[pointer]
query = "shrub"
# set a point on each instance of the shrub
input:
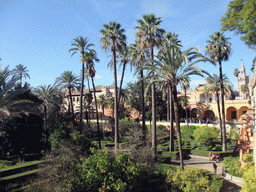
(58, 168)
(192, 179)
(232, 166)
(184, 131)
(61, 133)
(206, 135)
(84, 143)
(101, 173)
(249, 178)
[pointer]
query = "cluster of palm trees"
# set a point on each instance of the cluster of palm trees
(168, 68)
(156, 52)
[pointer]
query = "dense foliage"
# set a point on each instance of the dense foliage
(21, 135)
(249, 177)
(101, 173)
(191, 179)
(205, 136)
(232, 166)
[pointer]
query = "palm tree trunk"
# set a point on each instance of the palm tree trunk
(177, 120)
(116, 102)
(220, 121)
(168, 104)
(81, 101)
(154, 148)
(72, 107)
(171, 148)
(89, 103)
(97, 116)
(186, 111)
(224, 148)
(144, 131)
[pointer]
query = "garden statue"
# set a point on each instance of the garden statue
(245, 141)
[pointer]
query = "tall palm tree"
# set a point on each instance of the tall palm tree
(219, 49)
(174, 67)
(102, 101)
(213, 85)
(89, 57)
(149, 35)
(113, 36)
(68, 80)
(80, 44)
(20, 71)
(138, 57)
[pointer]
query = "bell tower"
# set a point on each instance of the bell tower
(242, 79)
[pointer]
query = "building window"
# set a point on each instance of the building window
(243, 112)
(210, 100)
(77, 99)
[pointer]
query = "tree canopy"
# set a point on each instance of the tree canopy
(240, 18)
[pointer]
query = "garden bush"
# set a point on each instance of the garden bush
(84, 143)
(249, 178)
(101, 173)
(192, 179)
(232, 166)
(205, 136)
(60, 134)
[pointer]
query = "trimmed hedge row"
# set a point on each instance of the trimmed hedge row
(206, 153)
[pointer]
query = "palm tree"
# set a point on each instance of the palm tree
(236, 72)
(7, 83)
(102, 101)
(149, 35)
(51, 97)
(244, 89)
(174, 67)
(89, 57)
(113, 36)
(138, 58)
(20, 71)
(80, 44)
(219, 49)
(68, 80)
(185, 86)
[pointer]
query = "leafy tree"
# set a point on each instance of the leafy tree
(69, 81)
(80, 44)
(113, 36)
(219, 49)
(240, 18)
(149, 35)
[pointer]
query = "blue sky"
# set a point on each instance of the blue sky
(38, 33)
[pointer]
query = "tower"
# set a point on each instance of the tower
(242, 79)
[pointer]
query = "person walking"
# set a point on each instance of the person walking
(215, 167)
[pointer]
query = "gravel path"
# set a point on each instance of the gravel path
(205, 163)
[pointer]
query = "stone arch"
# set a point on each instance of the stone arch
(231, 113)
(242, 110)
(208, 114)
